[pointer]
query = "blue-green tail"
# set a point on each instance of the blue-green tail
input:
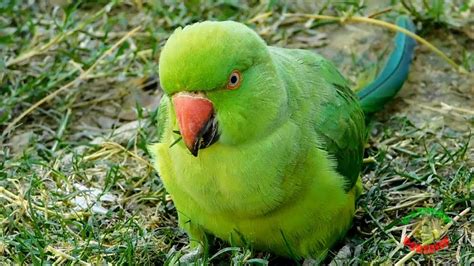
(394, 73)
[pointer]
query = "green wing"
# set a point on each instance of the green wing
(341, 125)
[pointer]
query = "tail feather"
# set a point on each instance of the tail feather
(394, 73)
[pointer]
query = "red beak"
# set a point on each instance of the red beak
(195, 118)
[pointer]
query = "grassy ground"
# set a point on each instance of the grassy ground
(78, 105)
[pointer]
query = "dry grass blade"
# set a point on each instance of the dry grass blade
(389, 26)
(63, 256)
(111, 148)
(82, 76)
(410, 203)
(23, 204)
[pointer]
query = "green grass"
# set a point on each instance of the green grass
(75, 182)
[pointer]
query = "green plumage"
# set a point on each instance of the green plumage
(283, 175)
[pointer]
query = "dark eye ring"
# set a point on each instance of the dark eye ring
(235, 79)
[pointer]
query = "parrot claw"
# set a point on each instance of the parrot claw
(191, 256)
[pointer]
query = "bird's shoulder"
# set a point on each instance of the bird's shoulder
(338, 118)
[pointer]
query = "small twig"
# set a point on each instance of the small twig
(111, 148)
(98, 100)
(444, 230)
(402, 239)
(260, 16)
(400, 245)
(406, 204)
(132, 154)
(380, 12)
(102, 153)
(458, 250)
(455, 219)
(414, 196)
(76, 65)
(458, 109)
(70, 84)
(57, 39)
(109, 51)
(442, 110)
(60, 254)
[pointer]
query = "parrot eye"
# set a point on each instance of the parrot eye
(234, 80)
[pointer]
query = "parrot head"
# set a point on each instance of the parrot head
(222, 83)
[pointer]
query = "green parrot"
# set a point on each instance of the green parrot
(262, 145)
